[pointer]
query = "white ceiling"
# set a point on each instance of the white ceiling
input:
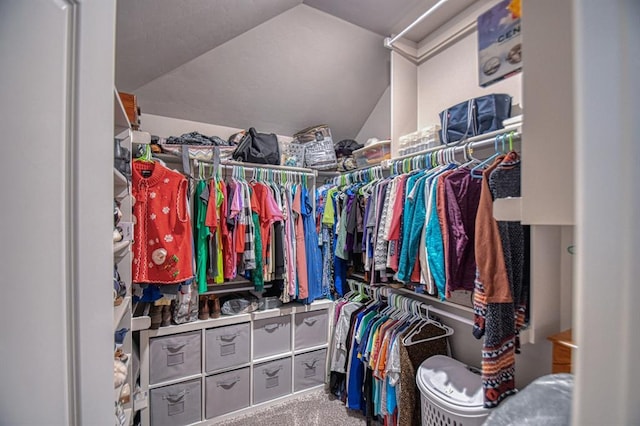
(277, 65)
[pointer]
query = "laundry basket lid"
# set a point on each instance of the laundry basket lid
(450, 381)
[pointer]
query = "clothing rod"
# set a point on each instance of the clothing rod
(252, 166)
(479, 141)
(230, 163)
(389, 42)
(449, 315)
(428, 307)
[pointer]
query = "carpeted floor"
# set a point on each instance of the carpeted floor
(312, 409)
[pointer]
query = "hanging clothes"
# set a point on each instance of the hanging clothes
(501, 292)
(301, 256)
(202, 233)
(162, 244)
(312, 249)
(372, 367)
(462, 192)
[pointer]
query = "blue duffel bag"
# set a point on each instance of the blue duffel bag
(474, 117)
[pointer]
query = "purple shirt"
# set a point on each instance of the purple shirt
(462, 195)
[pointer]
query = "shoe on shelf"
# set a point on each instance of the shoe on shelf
(156, 317)
(166, 316)
(203, 308)
(214, 309)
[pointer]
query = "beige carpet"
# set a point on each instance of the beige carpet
(312, 409)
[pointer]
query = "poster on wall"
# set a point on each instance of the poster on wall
(499, 42)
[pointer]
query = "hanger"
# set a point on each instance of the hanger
(409, 338)
(468, 158)
(146, 156)
(474, 170)
(360, 296)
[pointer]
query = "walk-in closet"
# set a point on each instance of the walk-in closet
(318, 212)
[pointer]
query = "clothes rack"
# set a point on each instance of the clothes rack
(365, 174)
(386, 291)
(476, 142)
(251, 167)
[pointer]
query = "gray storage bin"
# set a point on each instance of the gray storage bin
(311, 328)
(227, 346)
(175, 356)
(271, 336)
(227, 392)
(309, 369)
(176, 405)
(271, 380)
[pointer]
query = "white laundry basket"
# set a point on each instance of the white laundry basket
(451, 394)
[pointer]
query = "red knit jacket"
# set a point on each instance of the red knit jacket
(162, 252)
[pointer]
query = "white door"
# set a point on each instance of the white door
(56, 115)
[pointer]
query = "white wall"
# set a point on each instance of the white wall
(451, 77)
(298, 69)
(378, 125)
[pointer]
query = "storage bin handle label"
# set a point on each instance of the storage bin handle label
(227, 349)
(228, 337)
(272, 380)
(228, 384)
(310, 368)
(270, 328)
(272, 371)
(310, 321)
(176, 397)
(312, 364)
(174, 347)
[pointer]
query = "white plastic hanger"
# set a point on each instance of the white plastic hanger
(409, 339)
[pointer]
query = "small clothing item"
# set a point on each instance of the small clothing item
(301, 256)
(202, 198)
(162, 246)
(411, 356)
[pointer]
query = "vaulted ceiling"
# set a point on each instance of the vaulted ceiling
(277, 65)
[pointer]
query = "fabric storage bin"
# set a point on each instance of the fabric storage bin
(450, 393)
(271, 380)
(227, 346)
(309, 369)
(173, 357)
(227, 392)
(176, 405)
(311, 328)
(271, 336)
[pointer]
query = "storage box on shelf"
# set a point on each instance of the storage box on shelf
(425, 138)
(217, 368)
(373, 154)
